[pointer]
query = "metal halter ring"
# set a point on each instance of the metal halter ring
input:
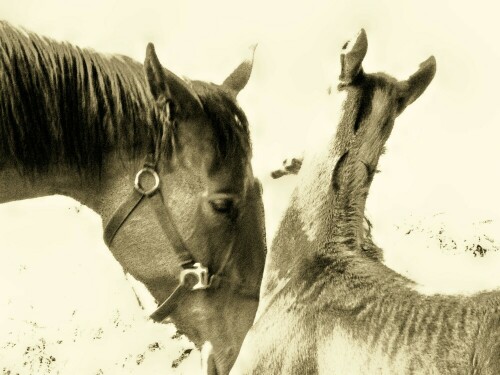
(201, 274)
(137, 182)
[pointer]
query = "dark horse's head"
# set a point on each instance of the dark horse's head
(78, 123)
(218, 204)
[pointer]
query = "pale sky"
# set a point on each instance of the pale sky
(443, 150)
(443, 154)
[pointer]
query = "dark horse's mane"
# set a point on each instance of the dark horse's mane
(66, 106)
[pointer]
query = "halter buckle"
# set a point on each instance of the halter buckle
(201, 274)
(137, 181)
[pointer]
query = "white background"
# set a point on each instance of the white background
(442, 156)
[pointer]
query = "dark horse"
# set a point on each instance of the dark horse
(165, 162)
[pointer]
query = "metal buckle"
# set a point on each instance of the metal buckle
(137, 181)
(201, 274)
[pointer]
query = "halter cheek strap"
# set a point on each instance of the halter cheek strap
(193, 276)
(154, 197)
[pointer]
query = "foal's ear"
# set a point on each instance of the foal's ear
(238, 79)
(165, 84)
(418, 82)
(352, 56)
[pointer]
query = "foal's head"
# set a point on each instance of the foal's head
(371, 104)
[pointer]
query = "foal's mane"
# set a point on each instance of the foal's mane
(65, 106)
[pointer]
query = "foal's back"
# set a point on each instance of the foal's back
(382, 326)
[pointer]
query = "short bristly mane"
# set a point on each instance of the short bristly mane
(65, 106)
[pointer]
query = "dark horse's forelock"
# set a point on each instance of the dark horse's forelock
(66, 106)
(230, 125)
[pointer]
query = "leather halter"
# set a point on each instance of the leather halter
(193, 276)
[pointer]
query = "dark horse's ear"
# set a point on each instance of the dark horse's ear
(238, 79)
(352, 56)
(165, 84)
(414, 86)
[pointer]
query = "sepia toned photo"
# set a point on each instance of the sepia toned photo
(229, 187)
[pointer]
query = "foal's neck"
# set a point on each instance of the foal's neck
(332, 210)
(335, 214)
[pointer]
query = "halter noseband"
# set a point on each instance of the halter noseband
(193, 276)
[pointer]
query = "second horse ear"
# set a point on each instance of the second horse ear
(418, 82)
(238, 79)
(164, 84)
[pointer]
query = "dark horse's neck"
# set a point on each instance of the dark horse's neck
(72, 122)
(65, 108)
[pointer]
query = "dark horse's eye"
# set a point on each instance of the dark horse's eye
(222, 206)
